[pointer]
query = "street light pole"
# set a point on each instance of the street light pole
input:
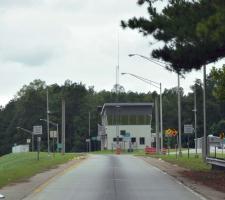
(157, 125)
(162, 64)
(195, 113)
(32, 135)
(48, 123)
(159, 86)
(204, 153)
(161, 117)
(89, 130)
(54, 124)
(179, 115)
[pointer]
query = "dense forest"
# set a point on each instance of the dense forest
(29, 106)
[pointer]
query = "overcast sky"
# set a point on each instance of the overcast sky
(55, 40)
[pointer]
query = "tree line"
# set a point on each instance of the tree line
(29, 106)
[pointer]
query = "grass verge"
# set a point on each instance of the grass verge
(20, 166)
(192, 163)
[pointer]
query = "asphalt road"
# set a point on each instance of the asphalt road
(112, 177)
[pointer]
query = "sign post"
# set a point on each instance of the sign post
(53, 135)
(39, 145)
(37, 130)
(188, 129)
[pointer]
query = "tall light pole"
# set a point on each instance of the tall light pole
(47, 106)
(162, 64)
(54, 124)
(204, 153)
(63, 126)
(89, 130)
(179, 115)
(159, 86)
(195, 114)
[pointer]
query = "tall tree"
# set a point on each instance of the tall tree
(185, 28)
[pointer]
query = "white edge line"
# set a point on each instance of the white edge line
(174, 179)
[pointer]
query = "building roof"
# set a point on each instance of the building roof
(133, 106)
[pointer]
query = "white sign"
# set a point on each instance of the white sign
(37, 130)
(53, 134)
(101, 130)
(88, 140)
(188, 129)
(28, 141)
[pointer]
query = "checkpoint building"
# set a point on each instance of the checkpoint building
(127, 125)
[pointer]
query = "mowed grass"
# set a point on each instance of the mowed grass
(20, 166)
(192, 163)
(218, 155)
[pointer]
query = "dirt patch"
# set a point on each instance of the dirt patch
(213, 179)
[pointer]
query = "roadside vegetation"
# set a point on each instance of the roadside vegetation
(192, 163)
(20, 166)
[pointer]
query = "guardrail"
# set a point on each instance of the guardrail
(216, 161)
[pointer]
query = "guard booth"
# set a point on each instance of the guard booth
(125, 125)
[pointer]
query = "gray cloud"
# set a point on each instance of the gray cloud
(72, 39)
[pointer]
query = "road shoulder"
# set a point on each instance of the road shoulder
(19, 191)
(176, 172)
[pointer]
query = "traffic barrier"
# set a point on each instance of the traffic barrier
(118, 151)
(152, 150)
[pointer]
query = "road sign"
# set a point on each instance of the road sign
(94, 138)
(188, 129)
(28, 141)
(98, 138)
(171, 132)
(53, 134)
(59, 146)
(87, 140)
(37, 130)
(127, 134)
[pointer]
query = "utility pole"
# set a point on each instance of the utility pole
(161, 117)
(89, 130)
(63, 126)
(48, 124)
(157, 125)
(204, 153)
(57, 130)
(179, 114)
(195, 112)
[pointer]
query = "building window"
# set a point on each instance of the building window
(142, 141)
(133, 139)
(122, 132)
(115, 139)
